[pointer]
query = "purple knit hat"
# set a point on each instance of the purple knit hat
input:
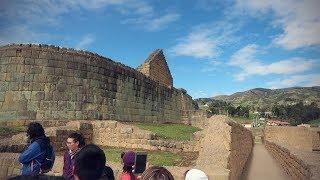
(129, 158)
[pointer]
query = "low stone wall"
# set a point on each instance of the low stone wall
(9, 165)
(302, 138)
(116, 134)
(290, 162)
(225, 144)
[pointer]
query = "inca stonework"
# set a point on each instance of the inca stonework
(44, 82)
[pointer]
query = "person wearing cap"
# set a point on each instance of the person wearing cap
(195, 174)
(128, 163)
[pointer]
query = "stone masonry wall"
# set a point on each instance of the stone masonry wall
(298, 137)
(9, 165)
(116, 134)
(225, 144)
(51, 83)
(290, 162)
(157, 69)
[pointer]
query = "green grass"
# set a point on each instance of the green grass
(314, 122)
(154, 157)
(181, 132)
(7, 131)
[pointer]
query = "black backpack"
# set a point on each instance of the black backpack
(48, 162)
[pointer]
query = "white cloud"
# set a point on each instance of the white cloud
(85, 41)
(296, 80)
(198, 94)
(198, 44)
(205, 41)
(299, 19)
(250, 65)
(34, 15)
(151, 22)
(159, 23)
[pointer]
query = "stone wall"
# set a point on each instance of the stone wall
(225, 144)
(157, 69)
(298, 137)
(51, 83)
(116, 134)
(9, 165)
(197, 118)
(291, 163)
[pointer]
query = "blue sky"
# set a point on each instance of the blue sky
(212, 47)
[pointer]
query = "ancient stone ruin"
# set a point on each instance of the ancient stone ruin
(51, 83)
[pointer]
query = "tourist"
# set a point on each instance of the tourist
(75, 142)
(195, 174)
(38, 157)
(128, 163)
(89, 164)
(156, 173)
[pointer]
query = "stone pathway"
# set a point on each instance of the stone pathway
(263, 166)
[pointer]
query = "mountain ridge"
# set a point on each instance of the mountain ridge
(266, 98)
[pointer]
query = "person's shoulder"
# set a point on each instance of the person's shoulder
(125, 176)
(34, 145)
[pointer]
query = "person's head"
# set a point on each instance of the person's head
(128, 161)
(89, 163)
(75, 140)
(195, 174)
(155, 173)
(35, 130)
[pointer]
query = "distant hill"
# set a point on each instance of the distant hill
(265, 98)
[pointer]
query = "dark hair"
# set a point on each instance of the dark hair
(122, 154)
(127, 169)
(78, 137)
(35, 130)
(156, 173)
(35, 177)
(89, 163)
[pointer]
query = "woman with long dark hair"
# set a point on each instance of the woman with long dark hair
(38, 153)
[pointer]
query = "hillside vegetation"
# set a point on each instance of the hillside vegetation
(260, 98)
(295, 105)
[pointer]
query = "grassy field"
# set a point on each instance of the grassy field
(7, 131)
(180, 132)
(155, 157)
(314, 122)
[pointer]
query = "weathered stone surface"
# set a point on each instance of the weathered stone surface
(298, 137)
(225, 144)
(98, 87)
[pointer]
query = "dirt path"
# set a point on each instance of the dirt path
(263, 166)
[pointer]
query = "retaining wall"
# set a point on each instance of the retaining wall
(116, 134)
(303, 138)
